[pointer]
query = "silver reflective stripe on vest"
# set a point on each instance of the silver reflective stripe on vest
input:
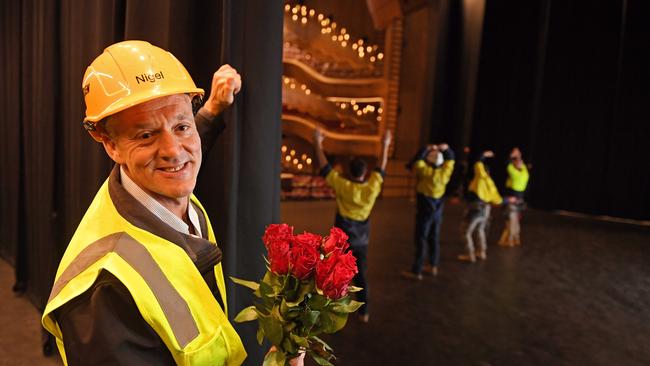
(135, 254)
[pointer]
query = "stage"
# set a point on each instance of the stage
(577, 292)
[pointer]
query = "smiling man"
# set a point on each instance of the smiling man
(141, 281)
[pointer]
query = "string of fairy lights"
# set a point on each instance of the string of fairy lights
(293, 84)
(305, 15)
(360, 109)
(291, 158)
(328, 27)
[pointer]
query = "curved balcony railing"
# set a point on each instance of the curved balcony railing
(341, 143)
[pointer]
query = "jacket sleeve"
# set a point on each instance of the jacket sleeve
(447, 170)
(419, 155)
(375, 181)
(209, 128)
(332, 177)
(103, 326)
(422, 169)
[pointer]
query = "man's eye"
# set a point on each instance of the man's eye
(145, 135)
(183, 128)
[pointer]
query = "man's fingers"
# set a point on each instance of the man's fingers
(226, 95)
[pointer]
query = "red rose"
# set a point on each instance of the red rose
(305, 255)
(277, 232)
(336, 240)
(334, 274)
(309, 239)
(279, 255)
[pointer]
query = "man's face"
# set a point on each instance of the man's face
(158, 146)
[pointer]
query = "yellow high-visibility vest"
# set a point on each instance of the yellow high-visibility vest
(517, 179)
(170, 293)
(483, 185)
(354, 200)
(431, 181)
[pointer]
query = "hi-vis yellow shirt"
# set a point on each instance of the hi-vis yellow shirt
(483, 185)
(168, 290)
(431, 181)
(354, 200)
(517, 179)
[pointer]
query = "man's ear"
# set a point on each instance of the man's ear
(111, 149)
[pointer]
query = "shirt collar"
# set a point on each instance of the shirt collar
(158, 209)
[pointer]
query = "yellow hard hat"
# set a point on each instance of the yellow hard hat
(129, 73)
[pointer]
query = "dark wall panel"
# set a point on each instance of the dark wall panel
(564, 80)
(55, 168)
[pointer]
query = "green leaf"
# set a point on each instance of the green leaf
(322, 343)
(317, 301)
(354, 288)
(288, 346)
(301, 341)
(247, 314)
(310, 318)
(348, 308)
(260, 334)
(275, 312)
(272, 279)
(272, 329)
(332, 322)
(250, 284)
(289, 327)
(320, 351)
(290, 288)
(267, 290)
(263, 309)
(304, 288)
(320, 360)
(274, 358)
(284, 308)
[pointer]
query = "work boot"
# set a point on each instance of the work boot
(411, 276)
(434, 271)
(431, 270)
(503, 241)
(467, 258)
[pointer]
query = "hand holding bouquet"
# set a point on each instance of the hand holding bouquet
(304, 293)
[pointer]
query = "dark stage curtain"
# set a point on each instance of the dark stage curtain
(566, 81)
(52, 169)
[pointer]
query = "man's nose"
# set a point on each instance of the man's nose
(169, 146)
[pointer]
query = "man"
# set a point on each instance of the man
(355, 198)
(433, 166)
(482, 192)
(514, 198)
(141, 281)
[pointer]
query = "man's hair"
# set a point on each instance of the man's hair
(102, 126)
(358, 167)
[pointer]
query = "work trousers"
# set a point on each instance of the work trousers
(477, 219)
(428, 218)
(512, 229)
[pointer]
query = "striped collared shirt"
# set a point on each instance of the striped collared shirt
(158, 209)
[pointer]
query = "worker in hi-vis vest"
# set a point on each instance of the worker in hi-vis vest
(513, 199)
(355, 198)
(482, 193)
(141, 281)
(433, 166)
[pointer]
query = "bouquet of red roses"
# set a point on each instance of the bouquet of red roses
(304, 293)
